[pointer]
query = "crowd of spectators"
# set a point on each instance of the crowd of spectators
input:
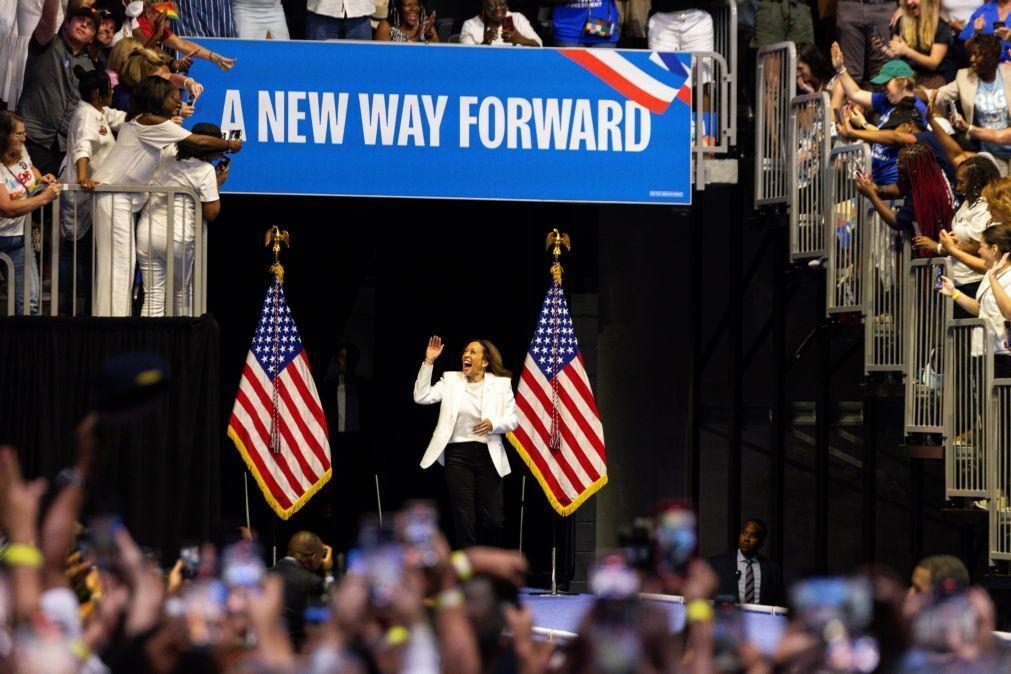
(76, 598)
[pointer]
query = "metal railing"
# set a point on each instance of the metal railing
(725, 34)
(810, 178)
(777, 85)
(887, 253)
(845, 233)
(710, 100)
(8, 264)
(968, 377)
(927, 313)
(76, 254)
(999, 470)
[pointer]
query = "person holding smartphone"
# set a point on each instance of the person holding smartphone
(496, 25)
(476, 409)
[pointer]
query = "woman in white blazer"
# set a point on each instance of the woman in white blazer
(477, 407)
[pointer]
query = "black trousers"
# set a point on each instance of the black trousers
(475, 495)
(45, 159)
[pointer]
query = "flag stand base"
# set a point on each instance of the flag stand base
(554, 578)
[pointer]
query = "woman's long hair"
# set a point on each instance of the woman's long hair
(494, 358)
(921, 177)
(979, 172)
(7, 121)
(998, 235)
(817, 62)
(998, 196)
(918, 32)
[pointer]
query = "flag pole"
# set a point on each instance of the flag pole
(273, 239)
(523, 504)
(379, 502)
(245, 488)
(555, 241)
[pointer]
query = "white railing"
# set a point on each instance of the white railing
(170, 235)
(927, 314)
(968, 377)
(725, 34)
(776, 77)
(846, 230)
(711, 110)
(887, 254)
(999, 470)
(808, 160)
(8, 265)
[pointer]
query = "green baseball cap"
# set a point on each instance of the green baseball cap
(891, 70)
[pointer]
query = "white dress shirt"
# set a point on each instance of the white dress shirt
(742, 567)
(341, 9)
(470, 415)
(472, 31)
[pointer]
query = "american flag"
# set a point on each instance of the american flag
(277, 422)
(559, 436)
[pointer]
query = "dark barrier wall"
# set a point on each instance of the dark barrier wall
(162, 472)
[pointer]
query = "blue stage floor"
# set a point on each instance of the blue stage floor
(565, 613)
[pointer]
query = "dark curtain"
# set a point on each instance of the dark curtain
(161, 472)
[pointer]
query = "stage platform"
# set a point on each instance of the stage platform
(557, 618)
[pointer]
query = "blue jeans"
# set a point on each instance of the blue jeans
(14, 247)
(321, 27)
(595, 45)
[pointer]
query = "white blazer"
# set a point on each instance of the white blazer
(497, 405)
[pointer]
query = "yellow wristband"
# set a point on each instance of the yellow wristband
(80, 650)
(396, 635)
(464, 569)
(19, 554)
(954, 295)
(699, 610)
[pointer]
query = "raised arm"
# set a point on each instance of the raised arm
(849, 85)
(45, 29)
(424, 392)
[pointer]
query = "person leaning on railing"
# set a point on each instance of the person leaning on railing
(133, 161)
(192, 168)
(897, 77)
(992, 301)
(22, 190)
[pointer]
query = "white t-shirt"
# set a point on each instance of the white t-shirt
(196, 174)
(470, 415)
(472, 31)
(990, 312)
(968, 225)
(134, 158)
(19, 179)
(90, 135)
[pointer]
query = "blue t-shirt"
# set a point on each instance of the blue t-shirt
(570, 20)
(884, 158)
(991, 112)
(989, 13)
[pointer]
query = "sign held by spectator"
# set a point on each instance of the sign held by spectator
(358, 119)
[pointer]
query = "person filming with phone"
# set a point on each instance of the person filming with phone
(477, 408)
(496, 25)
(303, 583)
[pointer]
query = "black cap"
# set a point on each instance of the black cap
(904, 111)
(86, 12)
(126, 383)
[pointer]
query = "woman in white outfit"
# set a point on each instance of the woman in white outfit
(259, 19)
(133, 161)
(477, 408)
(188, 168)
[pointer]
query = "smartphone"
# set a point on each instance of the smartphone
(417, 525)
(508, 24)
(191, 560)
(937, 278)
(674, 539)
(235, 134)
(872, 31)
(242, 566)
(819, 601)
(102, 540)
(222, 164)
(613, 578)
(998, 24)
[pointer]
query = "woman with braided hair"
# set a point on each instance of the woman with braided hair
(929, 203)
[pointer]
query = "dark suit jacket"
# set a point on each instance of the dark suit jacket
(300, 587)
(772, 592)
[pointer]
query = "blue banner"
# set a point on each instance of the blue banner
(455, 122)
